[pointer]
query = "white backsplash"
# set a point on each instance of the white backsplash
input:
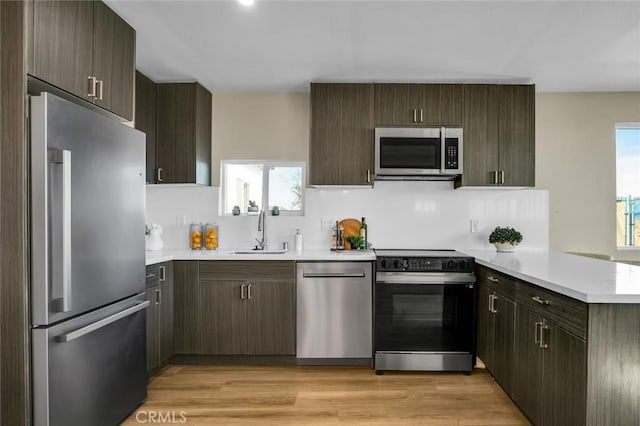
(399, 214)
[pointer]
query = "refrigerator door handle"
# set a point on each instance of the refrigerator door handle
(64, 157)
(101, 323)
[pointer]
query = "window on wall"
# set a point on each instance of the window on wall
(263, 184)
(628, 185)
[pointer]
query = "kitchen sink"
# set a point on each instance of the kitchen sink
(258, 252)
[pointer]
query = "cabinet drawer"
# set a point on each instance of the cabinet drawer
(247, 270)
(153, 275)
(565, 312)
(497, 281)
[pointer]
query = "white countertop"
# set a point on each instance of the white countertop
(586, 279)
(582, 278)
(154, 257)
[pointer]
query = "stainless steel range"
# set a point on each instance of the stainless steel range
(424, 317)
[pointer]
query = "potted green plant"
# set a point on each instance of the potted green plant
(356, 241)
(275, 211)
(505, 239)
(236, 210)
(253, 207)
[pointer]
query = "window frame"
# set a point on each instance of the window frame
(266, 167)
(622, 126)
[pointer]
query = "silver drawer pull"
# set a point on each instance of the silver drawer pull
(332, 275)
(150, 276)
(102, 323)
(540, 301)
(493, 279)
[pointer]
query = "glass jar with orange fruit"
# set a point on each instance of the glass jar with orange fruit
(195, 236)
(211, 236)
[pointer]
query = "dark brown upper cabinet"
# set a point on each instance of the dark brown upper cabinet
(341, 136)
(85, 49)
(418, 105)
(147, 119)
(499, 135)
(183, 134)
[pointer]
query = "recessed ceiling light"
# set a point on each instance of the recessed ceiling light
(246, 2)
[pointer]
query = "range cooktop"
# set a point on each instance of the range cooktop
(416, 260)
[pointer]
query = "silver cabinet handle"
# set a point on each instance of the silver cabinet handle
(495, 298)
(158, 297)
(159, 175)
(92, 87)
(543, 344)
(501, 173)
(249, 292)
(536, 337)
(163, 273)
(149, 276)
(102, 323)
(64, 157)
(491, 303)
(332, 275)
(540, 301)
(415, 116)
(492, 279)
(495, 177)
(421, 115)
(368, 175)
(242, 287)
(99, 85)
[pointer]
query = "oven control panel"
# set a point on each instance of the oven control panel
(424, 264)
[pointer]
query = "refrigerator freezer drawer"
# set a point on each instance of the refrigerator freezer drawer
(91, 370)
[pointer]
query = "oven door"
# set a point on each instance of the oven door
(424, 312)
(408, 151)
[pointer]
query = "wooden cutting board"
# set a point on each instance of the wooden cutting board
(351, 227)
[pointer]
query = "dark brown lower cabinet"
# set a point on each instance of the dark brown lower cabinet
(550, 383)
(247, 317)
(496, 335)
(159, 315)
(186, 334)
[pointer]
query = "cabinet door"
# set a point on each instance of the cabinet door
(146, 119)
(517, 135)
(564, 378)
(430, 105)
(176, 132)
(397, 104)
(271, 313)
(62, 43)
(223, 317)
(485, 327)
(153, 328)
(527, 384)
(451, 104)
(114, 46)
(166, 312)
(341, 139)
(481, 117)
(504, 341)
(186, 328)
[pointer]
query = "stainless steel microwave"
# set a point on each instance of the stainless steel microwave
(410, 153)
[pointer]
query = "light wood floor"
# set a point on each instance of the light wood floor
(232, 395)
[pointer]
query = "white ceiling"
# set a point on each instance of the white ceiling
(283, 45)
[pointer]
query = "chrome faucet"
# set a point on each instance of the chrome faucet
(262, 227)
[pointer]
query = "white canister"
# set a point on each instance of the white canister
(154, 241)
(297, 242)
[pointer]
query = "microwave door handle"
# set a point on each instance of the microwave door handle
(443, 138)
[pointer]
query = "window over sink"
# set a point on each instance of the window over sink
(254, 185)
(628, 185)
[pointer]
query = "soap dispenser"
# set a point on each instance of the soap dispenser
(298, 241)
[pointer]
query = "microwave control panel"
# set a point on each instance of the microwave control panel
(451, 154)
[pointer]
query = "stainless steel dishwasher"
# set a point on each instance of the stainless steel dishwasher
(334, 319)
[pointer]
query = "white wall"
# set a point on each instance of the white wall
(575, 161)
(399, 214)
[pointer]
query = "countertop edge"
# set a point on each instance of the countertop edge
(310, 255)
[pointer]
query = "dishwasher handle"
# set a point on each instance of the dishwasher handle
(333, 275)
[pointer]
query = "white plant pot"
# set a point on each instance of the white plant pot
(505, 247)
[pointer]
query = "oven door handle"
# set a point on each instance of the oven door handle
(424, 279)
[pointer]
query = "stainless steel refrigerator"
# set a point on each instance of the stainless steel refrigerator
(87, 293)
